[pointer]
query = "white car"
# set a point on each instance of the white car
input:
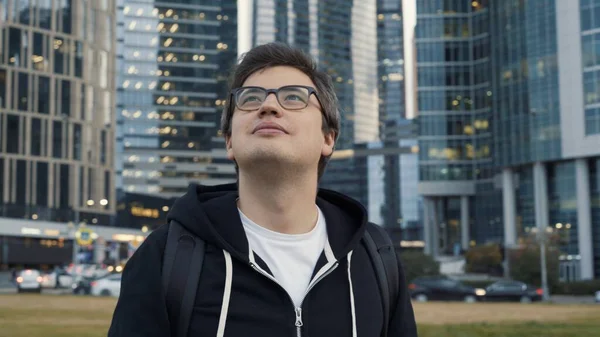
(29, 280)
(109, 285)
(57, 280)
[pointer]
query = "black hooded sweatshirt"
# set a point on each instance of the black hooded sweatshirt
(237, 294)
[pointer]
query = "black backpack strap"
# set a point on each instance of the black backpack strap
(384, 259)
(182, 265)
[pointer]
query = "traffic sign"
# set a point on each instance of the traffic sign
(84, 236)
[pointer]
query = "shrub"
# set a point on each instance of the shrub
(484, 259)
(525, 265)
(584, 288)
(418, 264)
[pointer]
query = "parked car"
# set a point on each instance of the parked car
(58, 278)
(514, 291)
(109, 285)
(598, 296)
(441, 288)
(29, 280)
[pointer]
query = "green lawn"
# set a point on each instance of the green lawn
(54, 316)
(71, 316)
(533, 329)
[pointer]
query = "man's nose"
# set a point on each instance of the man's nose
(270, 105)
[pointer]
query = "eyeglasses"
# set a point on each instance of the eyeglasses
(290, 97)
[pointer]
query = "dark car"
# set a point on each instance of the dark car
(512, 291)
(440, 288)
(83, 285)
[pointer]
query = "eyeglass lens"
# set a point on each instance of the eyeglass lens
(290, 97)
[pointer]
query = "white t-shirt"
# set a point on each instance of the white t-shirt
(290, 257)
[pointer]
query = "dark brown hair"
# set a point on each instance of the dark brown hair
(280, 54)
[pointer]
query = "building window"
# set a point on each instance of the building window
(13, 127)
(57, 139)
(36, 137)
(42, 184)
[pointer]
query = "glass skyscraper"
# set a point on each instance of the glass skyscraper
(57, 110)
(523, 148)
(454, 104)
(174, 60)
(400, 168)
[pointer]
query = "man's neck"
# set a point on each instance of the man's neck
(282, 205)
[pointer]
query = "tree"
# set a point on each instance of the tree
(418, 264)
(525, 264)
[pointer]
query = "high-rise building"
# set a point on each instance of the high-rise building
(454, 104)
(174, 61)
(547, 134)
(57, 110)
(509, 135)
(342, 38)
(398, 132)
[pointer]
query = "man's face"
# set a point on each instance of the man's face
(273, 135)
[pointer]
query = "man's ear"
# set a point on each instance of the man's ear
(328, 144)
(229, 148)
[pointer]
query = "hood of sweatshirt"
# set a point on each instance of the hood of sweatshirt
(211, 212)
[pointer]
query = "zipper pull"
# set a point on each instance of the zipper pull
(299, 317)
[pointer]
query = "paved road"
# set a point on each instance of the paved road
(13, 290)
(10, 289)
(562, 299)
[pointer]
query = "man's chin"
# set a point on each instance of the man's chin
(265, 158)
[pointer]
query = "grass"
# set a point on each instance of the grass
(54, 316)
(507, 320)
(70, 316)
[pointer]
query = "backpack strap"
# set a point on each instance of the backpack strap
(385, 262)
(182, 266)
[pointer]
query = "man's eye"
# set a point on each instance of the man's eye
(250, 99)
(294, 97)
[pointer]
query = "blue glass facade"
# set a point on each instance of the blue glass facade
(454, 95)
(487, 214)
(400, 172)
(174, 59)
(562, 202)
(526, 99)
(595, 201)
(590, 40)
(532, 150)
(390, 54)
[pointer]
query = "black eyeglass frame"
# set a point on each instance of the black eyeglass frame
(310, 89)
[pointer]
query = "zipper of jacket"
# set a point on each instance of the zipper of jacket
(297, 310)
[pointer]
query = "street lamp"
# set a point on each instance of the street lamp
(103, 202)
(542, 237)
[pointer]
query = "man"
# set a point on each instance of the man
(282, 257)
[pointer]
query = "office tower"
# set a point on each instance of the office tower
(522, 150)
(342, 37)
(547, 126)
(454, 103)
(174, 62)
(57, 110)
(398, 131)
